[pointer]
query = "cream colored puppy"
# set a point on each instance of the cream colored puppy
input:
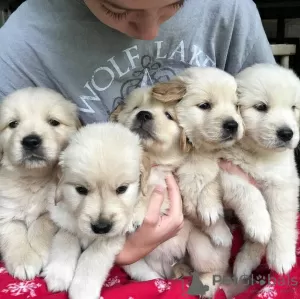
(269, 100)
(206, 108)
(35, 125)
(156, 124)
(96, 199)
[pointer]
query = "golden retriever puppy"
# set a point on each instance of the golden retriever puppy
(35, 125)
(206, 109)
(269, 101)
(97, 194)
(156, 124)
(161, 136)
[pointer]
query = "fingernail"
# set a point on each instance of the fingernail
(159, 189)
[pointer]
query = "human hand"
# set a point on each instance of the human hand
(236, 170)
(156, 228)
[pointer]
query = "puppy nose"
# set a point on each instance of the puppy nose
(102, 226)
(230, 125)
(285, 134)
(31, 142)
(144, 116)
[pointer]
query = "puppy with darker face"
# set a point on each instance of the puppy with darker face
(156, 124)
(155, 121)
(35, 125)
(98, 192)
(269, 100)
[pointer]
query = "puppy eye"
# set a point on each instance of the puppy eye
(294, 108)
(53, 122)
(121, 189)
(13, 124)
(237, 107)
(82, 190)
(205, 106)
(168, 115)
(262, 107)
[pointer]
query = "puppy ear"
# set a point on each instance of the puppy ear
(145, 169)
(114, 115)
(185, 144)
(169, 91)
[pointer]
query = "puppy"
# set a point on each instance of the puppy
(156, 123)
(269, 101)
(206, 109)
(97, 194)
(35, 125)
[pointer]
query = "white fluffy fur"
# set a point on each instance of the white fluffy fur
(100, 158)
(198, 177)
(205, 101)
(161, 140)
(28, 178)
(270, 161)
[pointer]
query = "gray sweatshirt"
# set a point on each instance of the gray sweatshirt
(61, 45)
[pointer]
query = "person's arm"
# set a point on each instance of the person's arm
(248, 41)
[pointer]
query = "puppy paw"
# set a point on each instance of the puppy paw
(242, 268)
(210, 214)
(280, 260)
(260, 229)
(223, 239)
(133, 226)
(181, 270)
(81, 289)
(219, 233)
(137, 218)
(25, 266)
(58, 278)
(40, 236)
(208, 287)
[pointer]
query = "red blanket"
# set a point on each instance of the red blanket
(265, 284)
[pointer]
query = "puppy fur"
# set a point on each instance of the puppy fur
(269, 101)
(206, 108)
(35, 125)
(96, 199)
(156, 123)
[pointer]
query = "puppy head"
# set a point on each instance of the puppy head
(35, 125)
(269, 99)
(208, 109)
(100, 180)
(153, 120)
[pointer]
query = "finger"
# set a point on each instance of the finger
(231, 168)
(225, 165)
(180, 227)
(236, 170)
(174, 196)
(153, 212)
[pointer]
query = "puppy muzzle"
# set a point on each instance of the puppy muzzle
(285, 138)
(102, 226)
(143, 125)
(32, 148)
(229, 129)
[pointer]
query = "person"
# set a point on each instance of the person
(95, 52)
